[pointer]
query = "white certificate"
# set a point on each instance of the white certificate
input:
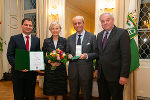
(78, 50)
(36, 60)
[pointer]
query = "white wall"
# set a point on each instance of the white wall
(142, 79)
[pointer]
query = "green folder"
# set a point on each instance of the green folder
(29, 60)
(22, 60)
(75, 57)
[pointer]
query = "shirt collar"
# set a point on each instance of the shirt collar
(83, 32)
(109, 31)
(24, 35)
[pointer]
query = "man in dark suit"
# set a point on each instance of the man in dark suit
(23, 80)
(112, 69)
(80, 72)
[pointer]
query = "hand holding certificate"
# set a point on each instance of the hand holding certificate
(78, 53)
(29, 60)
(36, 61)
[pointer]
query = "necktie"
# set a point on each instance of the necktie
(27, 42)
(104, 40)
(79, 40)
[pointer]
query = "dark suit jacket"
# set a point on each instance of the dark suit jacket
(114, 59)
(48, 46)
(89, 46)
(17, 42)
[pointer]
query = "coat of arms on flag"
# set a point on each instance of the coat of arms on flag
(131, 24)
(132, 30)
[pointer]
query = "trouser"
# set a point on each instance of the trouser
(24, 89)
(109, 90)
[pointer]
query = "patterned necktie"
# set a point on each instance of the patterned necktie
(104, 40)
(27, 42)
(79, 40)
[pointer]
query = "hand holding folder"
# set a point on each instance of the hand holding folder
(74, 58)
(29, 60)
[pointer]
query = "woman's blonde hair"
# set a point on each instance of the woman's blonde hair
(54, 23)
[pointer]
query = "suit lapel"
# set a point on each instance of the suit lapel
(32, 42)
(101, 39)
(22, 42)
(57, 43)
(74, 43)
(109, 40)
(85, 40)
(52, 42)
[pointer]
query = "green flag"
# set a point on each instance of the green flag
(132, 30)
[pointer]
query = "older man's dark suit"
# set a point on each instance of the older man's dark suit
(22, 81)
(80, 72)
(114, 60)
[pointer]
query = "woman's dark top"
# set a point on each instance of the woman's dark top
(55, 81)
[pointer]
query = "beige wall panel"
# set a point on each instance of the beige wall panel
(72, 11)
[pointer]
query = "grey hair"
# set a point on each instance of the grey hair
(78, 17)
(54, 23)
(107, 13)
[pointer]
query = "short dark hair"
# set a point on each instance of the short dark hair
(28, 19)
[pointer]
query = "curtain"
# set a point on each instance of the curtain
(121, 12)
(42, 20)
(42, 26)
(60, 5)
(1, 14)
(9, 26)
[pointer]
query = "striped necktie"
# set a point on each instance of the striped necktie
(104, 40)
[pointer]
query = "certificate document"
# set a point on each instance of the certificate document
(29, 60)
(78, 50)
(36, 60)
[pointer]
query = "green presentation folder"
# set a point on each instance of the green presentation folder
(75, 57)
(22, 60)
